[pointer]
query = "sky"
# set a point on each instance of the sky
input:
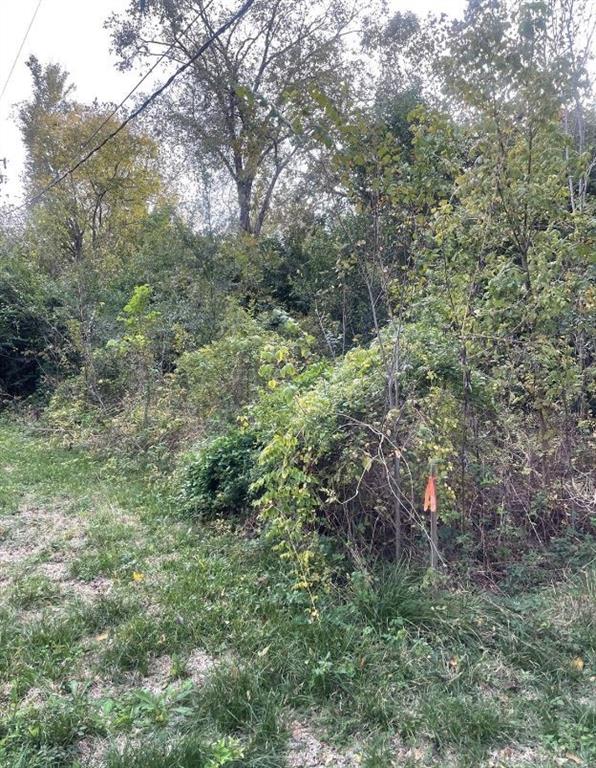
(71, 32)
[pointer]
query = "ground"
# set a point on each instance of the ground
(130, 636)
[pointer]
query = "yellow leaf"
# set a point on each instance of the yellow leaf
(577, 664)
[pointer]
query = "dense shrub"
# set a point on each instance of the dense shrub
(217, 481)
(328, 462)
(31, 330)
(329, 446)
(219, 378)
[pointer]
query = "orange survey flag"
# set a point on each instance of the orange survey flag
(430, 495)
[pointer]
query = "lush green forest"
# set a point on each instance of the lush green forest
(297, 381)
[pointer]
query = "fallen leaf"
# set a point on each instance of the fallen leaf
(577, 664)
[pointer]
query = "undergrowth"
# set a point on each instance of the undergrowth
(397, 666)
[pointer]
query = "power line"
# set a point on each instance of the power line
(22, 45)
(201, 50)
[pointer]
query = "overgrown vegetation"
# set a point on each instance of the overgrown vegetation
(243, 409)
(149, 643)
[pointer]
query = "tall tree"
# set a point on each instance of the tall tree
(83, 231)
(239, 106)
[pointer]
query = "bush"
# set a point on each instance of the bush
(31, 327)
(217, 481)
(221, 377)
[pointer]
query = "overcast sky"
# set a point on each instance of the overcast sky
(71, 32)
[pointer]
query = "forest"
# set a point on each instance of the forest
(297, 394)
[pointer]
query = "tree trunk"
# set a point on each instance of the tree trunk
(244, 188)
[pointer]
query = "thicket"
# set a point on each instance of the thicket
(418, 298)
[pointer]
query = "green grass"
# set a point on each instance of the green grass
(33, 591)
(403, 672)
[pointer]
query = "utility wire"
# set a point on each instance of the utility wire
(22, 45)
(60, 178)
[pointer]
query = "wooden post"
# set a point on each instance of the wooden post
(397, 508)
(434, 538)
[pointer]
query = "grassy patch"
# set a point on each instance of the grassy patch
(403, 672)
(33, 591)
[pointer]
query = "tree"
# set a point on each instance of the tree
(138, 345)
(241, 105)
(508, 273)
(83, 231)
